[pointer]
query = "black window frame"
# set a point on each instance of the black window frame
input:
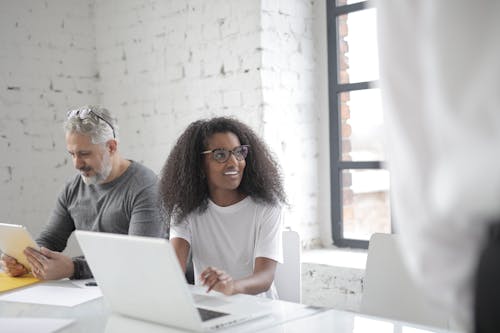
(334, 89)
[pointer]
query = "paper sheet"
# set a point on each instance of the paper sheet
(39, 325)
(53, 295)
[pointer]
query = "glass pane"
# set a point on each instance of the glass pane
(358, 47)
(366, 207)
(362, 125)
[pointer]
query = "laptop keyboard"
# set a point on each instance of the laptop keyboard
(209, 314)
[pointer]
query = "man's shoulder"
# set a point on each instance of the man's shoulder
(139, 167)
(141, 174)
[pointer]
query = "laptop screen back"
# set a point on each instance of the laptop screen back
(140, 277)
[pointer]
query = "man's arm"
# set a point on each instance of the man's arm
(49, 263)
(59, 227)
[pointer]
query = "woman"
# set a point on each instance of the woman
(222, 190)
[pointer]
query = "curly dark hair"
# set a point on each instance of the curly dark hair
(183, 186)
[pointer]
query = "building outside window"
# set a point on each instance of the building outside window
(360, 184)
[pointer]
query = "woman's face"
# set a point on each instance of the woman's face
(223, 176)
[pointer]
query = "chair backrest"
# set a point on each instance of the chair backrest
(389, 290)
(288, 279)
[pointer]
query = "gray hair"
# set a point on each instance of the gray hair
(94, 121)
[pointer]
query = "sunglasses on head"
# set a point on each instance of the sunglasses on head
(88, 114)
(221, 155)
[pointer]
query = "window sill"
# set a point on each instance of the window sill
(346, 258)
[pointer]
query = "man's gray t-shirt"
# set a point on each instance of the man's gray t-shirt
(127, 205)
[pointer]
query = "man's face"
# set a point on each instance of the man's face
(92, 160)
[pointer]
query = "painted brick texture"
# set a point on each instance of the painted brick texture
(165, 64)
(47, 65)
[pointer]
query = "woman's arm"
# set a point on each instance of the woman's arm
(259, 282)
(181, 247)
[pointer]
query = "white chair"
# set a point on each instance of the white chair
(389, 290)
(288, 279)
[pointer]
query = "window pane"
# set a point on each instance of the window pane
(366, 207)
(362, 125)
(357, 49)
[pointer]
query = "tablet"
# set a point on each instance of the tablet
(14, 239)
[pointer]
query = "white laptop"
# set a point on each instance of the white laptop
(140, 277)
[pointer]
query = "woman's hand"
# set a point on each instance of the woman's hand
(260, 280)
(218, 280)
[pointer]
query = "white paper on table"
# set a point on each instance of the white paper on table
(53, 295)
(39, 325)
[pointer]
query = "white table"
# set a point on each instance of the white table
(95, 316)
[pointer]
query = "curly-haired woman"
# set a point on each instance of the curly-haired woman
(222, 193)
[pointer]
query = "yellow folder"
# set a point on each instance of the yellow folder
(8, 283)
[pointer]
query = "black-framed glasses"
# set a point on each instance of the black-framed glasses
(221, 155)
(86, 114)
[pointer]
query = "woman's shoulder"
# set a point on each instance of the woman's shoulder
(264, 205)
(266, 210)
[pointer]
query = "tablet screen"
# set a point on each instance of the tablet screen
(14, 239)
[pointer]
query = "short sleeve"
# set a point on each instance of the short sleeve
(269, 242)
(181, 230)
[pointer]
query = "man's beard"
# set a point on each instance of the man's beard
(102, 175)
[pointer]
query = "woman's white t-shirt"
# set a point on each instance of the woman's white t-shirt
(230, 238)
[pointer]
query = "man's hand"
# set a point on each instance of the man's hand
(11, 266)
(49, 265)
(218, 280)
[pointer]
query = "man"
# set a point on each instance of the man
(110, 194)
(440, 80)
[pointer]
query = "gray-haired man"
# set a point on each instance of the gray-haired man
(110, 194)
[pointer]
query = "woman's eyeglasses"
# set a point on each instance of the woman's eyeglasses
(221, 155)
(86, 114)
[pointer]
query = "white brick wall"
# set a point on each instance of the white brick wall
(336, 287)
(47, 65)
(179, 61)
(291, 107)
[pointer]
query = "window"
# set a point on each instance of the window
(360, 184)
